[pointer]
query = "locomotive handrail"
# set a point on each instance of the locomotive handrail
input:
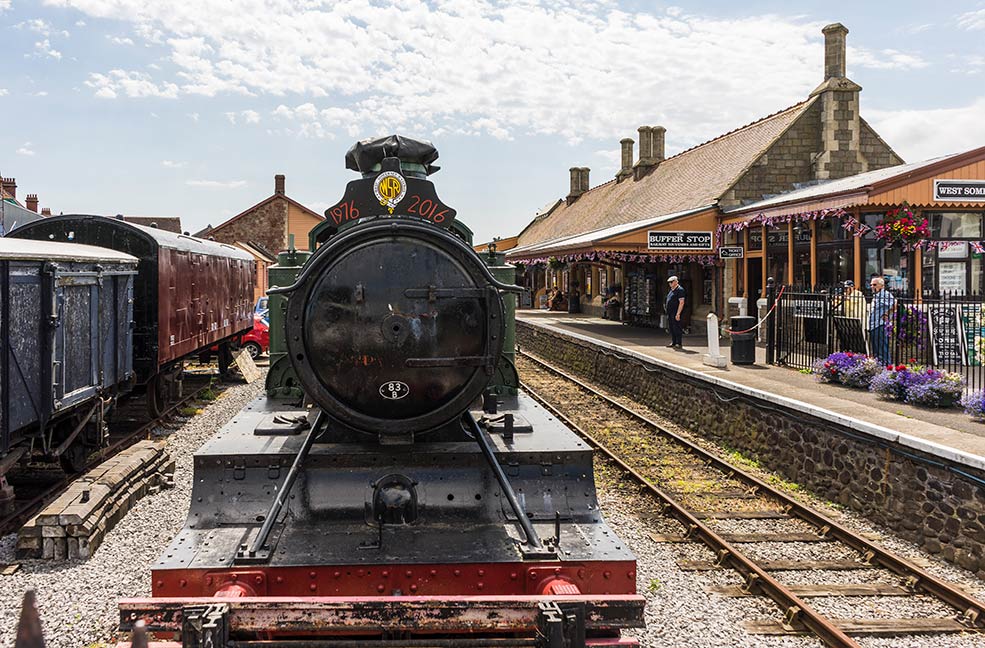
(483, 268)
(533, 540)
(285, 489)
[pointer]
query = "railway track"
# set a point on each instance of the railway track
(704, 493)
(37, 486)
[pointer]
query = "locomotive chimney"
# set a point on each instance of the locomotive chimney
(31, 202)
(626, 169)
(10, 186)
(279, 184)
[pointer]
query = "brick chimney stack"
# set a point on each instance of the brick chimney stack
(651, 150)
(46, 211)
(574, 184)
(584, 171)
(657, 137)
(626, 169)
(841, 127)
(31, 202)
(279, 184)
(10, 186)
(834, 50)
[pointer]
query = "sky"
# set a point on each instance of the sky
(189, 108)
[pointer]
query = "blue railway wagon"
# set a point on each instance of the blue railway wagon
(66, 324)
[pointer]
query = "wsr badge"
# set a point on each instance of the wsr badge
(390, 188)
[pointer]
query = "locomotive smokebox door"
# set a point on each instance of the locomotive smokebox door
(394, 328)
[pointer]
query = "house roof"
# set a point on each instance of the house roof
(855, 189)
(262, 203)
(13, 215)
(694, 178)
(166, 223)
(257, 250)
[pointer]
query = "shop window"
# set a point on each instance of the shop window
(872, 219)
(834, 264)
(956, 225)
(707, 283)
(755, 238)
(830, 230)
(928, 275)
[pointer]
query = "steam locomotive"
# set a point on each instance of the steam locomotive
(394, 486)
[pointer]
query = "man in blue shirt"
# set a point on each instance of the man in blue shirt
(880, 311)
(674, 307)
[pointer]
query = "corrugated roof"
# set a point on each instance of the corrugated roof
(841, 185)
(693, 178)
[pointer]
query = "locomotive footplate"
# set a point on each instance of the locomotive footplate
(541, 621)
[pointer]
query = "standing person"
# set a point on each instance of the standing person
(880, 311)
(674, 307)
(852, 301)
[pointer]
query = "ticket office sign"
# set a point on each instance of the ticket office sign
(679, 241)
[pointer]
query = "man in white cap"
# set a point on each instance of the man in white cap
(674, 307)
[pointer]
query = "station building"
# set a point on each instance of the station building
(661, 214)
(823, 235)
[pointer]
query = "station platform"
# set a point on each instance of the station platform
(950, 434)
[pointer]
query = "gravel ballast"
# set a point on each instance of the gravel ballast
(78, 599)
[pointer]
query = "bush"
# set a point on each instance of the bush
(974, 405)
(847, 368)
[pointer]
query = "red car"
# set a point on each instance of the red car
(257, 340)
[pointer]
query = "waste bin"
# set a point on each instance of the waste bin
(743, 344)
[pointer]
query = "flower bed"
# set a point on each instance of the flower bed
(919, 386)
(847, 368)
(914, 384)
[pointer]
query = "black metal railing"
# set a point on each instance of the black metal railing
(942, 330)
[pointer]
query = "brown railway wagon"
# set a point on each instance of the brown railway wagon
(189, 294)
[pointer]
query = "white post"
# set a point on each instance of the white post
(714, 356)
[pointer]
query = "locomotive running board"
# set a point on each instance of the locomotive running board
(543, 618)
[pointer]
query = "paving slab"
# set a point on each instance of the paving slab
(950, 433)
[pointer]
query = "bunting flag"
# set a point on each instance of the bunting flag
(978, 247)
(626, 257)
(772, 221)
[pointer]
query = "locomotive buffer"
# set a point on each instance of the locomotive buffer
(413, 492)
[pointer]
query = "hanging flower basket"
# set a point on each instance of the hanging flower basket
(901, 225)
(557, 264)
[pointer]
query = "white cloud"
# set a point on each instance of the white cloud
(3, 92)
(544, 67)
(216, 184)
(972, 19)
(231, 116)
(131, 83)
(886, 59)
(922, 134)
(44, 48)
(193, 117)
(80, 23)
(117, 40)
(171, 164)
(26, 149)
(4, 5)
(42, 27)
(251, 116)
(41, 93)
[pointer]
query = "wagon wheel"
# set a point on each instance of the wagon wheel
(158, 395)
(73, 460)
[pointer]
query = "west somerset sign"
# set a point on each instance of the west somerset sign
(965, 190)
(679, 240)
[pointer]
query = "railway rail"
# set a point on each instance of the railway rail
(699, 490)
(130, 423)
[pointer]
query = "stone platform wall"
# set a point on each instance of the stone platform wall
(917, 495)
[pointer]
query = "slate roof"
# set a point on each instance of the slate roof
(693, 178)
(12, 215)
(849, 184)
